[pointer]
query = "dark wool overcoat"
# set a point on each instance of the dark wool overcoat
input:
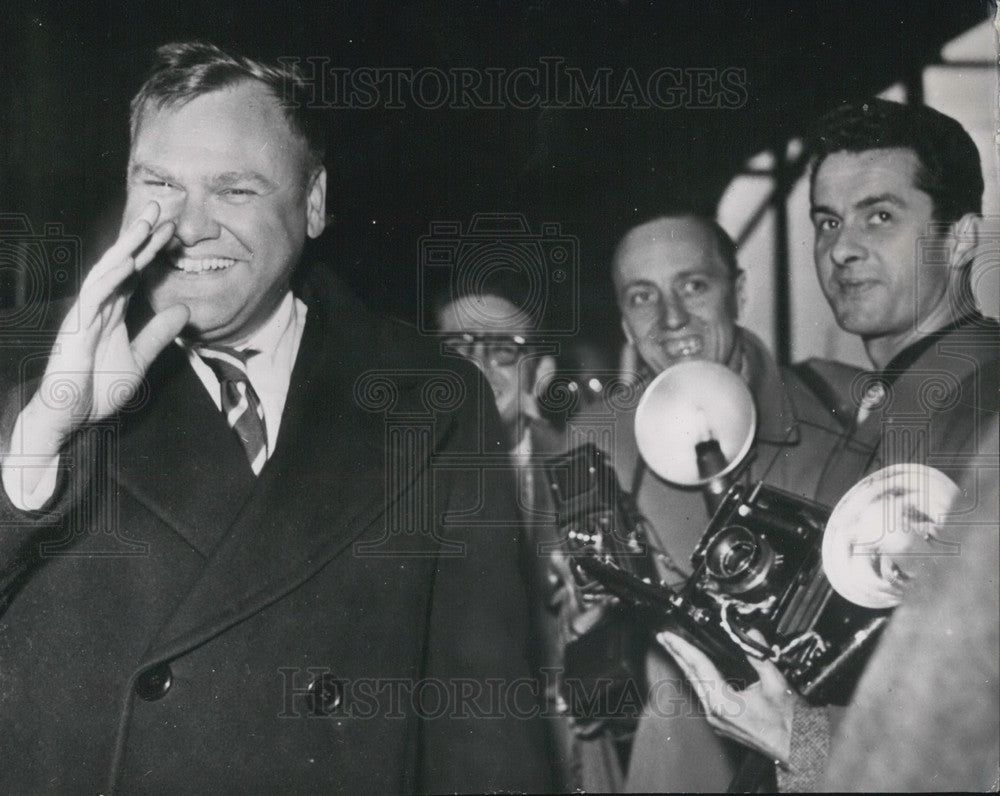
(351, 620)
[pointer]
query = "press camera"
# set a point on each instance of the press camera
(758, 567)
(760, 570)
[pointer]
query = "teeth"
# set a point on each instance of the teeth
(685, 347)
(192, 265)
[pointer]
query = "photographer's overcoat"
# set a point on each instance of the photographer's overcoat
(180, 626)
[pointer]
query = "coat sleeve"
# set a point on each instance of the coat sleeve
(27, 537)
(491, 737)
(21, 532)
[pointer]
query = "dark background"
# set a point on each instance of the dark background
(67, 71)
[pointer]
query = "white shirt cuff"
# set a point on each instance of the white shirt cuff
(29, 480)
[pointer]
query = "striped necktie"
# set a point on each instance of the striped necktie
(240, 403)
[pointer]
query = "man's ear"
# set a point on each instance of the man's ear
(316, 203)
(740, 289)
(965, 234)
(628, 334)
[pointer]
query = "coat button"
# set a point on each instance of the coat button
(327, 694)
(154, 683)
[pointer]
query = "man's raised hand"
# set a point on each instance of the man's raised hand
(95, 369)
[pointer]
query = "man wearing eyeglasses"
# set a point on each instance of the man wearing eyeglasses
(491, 330)
(493, 333)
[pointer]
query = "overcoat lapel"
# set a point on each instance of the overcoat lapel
(179, 458)
(323, 486)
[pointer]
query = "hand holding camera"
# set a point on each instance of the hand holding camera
(758, 716)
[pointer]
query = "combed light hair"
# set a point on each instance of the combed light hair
(182, 71)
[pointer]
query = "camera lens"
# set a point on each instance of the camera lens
(739, 559)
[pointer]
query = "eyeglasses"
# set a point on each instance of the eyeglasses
(493, 349)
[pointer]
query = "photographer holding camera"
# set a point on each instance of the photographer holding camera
(679, 291)
(895, 201)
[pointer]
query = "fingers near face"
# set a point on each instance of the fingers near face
(135, 233)
(157, 241)
(149, 214)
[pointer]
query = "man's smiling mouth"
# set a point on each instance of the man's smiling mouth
(683, 346)
(198, 265)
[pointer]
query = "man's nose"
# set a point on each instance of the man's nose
(476, 353)
(483, 357)
(848, 247)
(194, 222)
(673, 313)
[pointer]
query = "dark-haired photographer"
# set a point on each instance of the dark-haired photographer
(895, 201)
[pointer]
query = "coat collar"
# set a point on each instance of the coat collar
(951, 355)
(959, 348)
(970, 323)
(776, 421)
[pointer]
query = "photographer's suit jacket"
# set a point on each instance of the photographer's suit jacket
(175, 656)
